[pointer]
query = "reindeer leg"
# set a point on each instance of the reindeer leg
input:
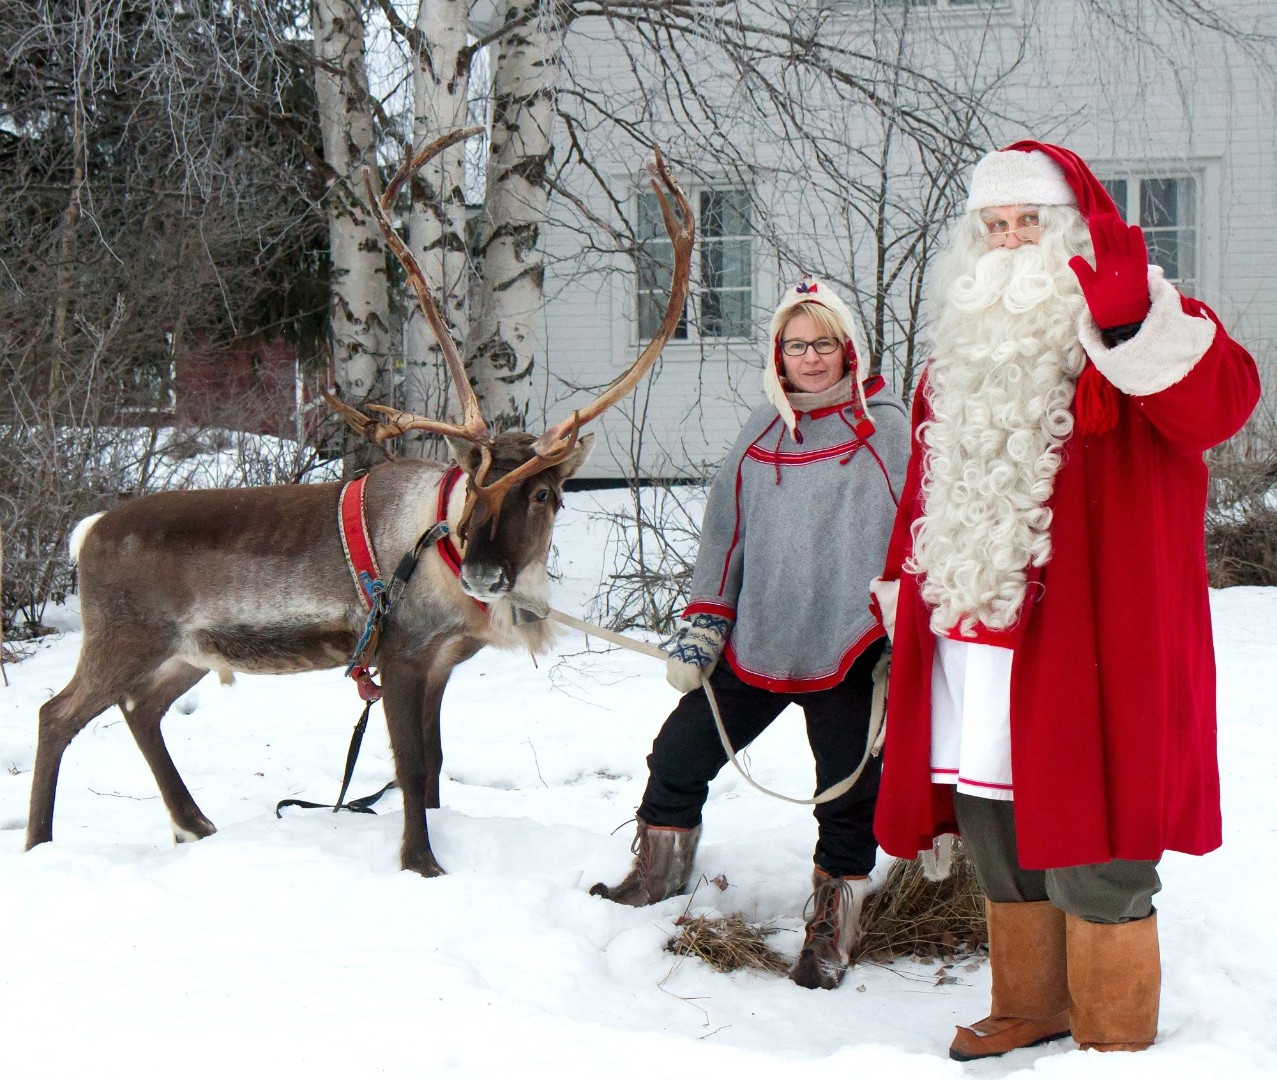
(144, 714)
(405, 696)
(433, 744)
(62, 718)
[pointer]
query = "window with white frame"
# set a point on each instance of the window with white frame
(721, 300)
(1165, 207)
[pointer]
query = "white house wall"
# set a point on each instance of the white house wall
(1083, 87)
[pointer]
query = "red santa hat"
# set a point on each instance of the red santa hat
(815, 291)
(1036, 172)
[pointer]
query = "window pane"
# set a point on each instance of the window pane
(651, 310)
(654, 263)
(1187, 255)
(1163, 251)
(734, 308)
(725, 264)
(1160, 202)
(655, 266)
(724, 212)
(650, 223)
(1117, 189)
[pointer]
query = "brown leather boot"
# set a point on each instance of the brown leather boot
(1030, 987)
(663, 857)
(832, 930)
(1115, 983)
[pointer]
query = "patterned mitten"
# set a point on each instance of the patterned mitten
(695, 649)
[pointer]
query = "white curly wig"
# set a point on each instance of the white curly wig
(1004, 367)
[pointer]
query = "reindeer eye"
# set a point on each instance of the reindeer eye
(543, 494)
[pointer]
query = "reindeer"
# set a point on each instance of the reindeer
(178, 584)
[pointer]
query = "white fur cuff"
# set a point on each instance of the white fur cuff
(887, 593)
(1167, 347)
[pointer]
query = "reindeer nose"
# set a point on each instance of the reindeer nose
(484, 580)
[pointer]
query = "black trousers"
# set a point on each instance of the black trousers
(688, 754)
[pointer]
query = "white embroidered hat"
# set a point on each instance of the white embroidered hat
(813, 291)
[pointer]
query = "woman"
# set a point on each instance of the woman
(795, 529)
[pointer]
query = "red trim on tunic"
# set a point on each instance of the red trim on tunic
(356, 541)
(775, 457)
(708, 607)
(980, 783)
(808, 685)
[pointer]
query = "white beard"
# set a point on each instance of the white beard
(1000, 387)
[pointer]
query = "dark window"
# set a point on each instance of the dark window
(1165, 207)
(722, 275)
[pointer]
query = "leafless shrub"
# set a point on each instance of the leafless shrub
(652, 546)
(69, 455)
(1241, 506)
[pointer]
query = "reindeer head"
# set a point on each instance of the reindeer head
(506, 540)
(515, 480)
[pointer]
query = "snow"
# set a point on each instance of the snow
(296, 947)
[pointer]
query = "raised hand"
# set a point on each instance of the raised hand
(1116, 290)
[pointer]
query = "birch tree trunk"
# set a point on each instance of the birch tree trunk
(504, 334)
(437, 218)
(359, 299)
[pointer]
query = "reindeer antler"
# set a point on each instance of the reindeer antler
(556, 444)
(472, 427)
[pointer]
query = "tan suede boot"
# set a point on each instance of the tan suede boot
(1115, 983)
(663, 857)
(1030, 1002)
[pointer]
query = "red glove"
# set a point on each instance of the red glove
(1116, 290)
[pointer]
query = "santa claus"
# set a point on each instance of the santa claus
(1052, 688)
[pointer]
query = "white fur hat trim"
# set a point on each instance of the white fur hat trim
(1013, 177)
(814, 291)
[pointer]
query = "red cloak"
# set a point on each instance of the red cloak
(1113, 683)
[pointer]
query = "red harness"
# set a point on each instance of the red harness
(361, 558)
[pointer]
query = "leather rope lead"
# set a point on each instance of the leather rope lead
(873, 740)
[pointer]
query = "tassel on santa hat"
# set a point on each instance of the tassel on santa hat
(1036, 172)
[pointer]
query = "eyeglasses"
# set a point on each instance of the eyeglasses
(824, 346)
(1027, 234)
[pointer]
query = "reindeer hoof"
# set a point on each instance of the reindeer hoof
(194, 830)
(426, 865)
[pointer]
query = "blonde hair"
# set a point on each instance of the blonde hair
(826, 321)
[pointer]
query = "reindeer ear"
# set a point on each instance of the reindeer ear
(580, 454)
(466, 453)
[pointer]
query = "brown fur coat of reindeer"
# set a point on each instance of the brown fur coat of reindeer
(178, 584)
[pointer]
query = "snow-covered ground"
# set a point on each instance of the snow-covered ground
(296, 947)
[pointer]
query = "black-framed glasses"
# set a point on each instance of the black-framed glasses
(797, 346)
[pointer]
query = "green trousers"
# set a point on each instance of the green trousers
(1113, 892)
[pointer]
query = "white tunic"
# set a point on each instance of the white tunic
(971, 718)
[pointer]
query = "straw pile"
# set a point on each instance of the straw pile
(911, 916)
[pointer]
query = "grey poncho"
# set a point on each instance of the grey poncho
(793, 534)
